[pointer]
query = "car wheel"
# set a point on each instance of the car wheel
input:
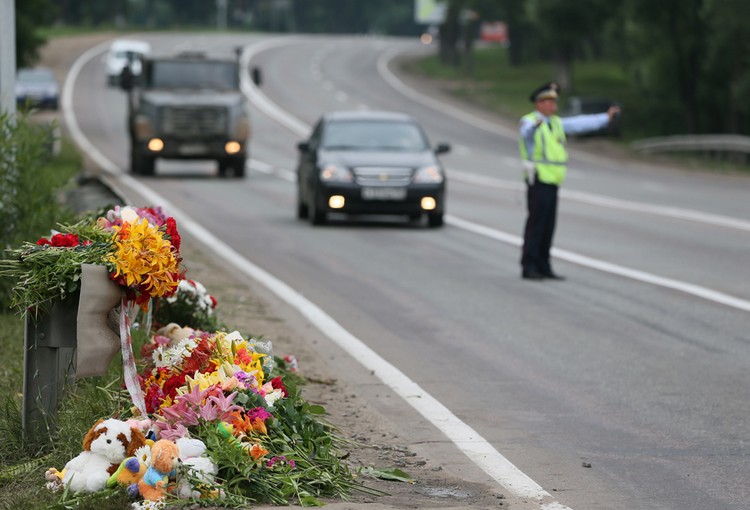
(302, 210)
(317, 216)
(232, 167)
(435, 220)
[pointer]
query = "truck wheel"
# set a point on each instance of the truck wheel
(232, 167)
(140, 164)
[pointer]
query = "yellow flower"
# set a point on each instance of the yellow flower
(143, 258)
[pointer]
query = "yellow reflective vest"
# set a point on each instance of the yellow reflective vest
(549, 158)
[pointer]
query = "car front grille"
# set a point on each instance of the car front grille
(382, 176)
(186, 121)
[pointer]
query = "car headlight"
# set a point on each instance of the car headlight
(334, 173)
(431, 174)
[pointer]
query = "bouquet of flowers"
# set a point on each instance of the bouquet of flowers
(189, 304)
(138, 246)
(266, 441)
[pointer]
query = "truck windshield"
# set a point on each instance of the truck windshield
(193, 75)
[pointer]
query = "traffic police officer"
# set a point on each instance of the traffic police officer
(542, 147)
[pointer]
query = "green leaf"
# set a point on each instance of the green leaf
(388, 474)
(308, 501)
(316, 409)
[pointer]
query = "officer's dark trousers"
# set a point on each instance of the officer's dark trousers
(541, 200)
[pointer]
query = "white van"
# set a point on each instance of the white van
(120, 53)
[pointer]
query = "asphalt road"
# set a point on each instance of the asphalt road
(638, 365)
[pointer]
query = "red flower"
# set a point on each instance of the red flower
(174, 236)
(60, 241)
(154, 397)
(198, 360)
(170, 385)
(277, 384)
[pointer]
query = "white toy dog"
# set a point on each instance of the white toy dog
(105, 446)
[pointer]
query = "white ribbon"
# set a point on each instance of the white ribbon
(128, 360)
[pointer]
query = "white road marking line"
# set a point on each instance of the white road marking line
(464, 437)
(607, 267)
(609, 202)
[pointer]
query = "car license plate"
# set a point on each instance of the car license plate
(383, 193)
(193, 149)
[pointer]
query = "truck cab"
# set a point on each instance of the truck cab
(187, 106)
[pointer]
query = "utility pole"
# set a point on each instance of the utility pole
(7, 57)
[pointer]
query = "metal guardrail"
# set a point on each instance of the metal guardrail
(694, 143)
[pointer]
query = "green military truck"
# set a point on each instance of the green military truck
(187, 106)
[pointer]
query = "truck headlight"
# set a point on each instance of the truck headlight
(233, 147)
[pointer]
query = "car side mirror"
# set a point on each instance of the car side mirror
(442, 148)
(303, 146)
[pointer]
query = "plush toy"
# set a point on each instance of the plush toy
(164, 458)
(175, 332)
(132, 470)
(105, 446)
(197, 472)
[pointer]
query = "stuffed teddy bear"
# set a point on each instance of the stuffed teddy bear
(197, 472)
(164, 458)
(105, 446)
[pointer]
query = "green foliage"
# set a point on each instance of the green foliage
(31, 15)
(31, 181)
(505, 88)
(45, 274)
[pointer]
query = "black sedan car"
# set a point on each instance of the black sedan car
(37, 87)
(366, 162)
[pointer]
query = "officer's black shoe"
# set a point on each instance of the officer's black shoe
(532, 275)
(553, 276)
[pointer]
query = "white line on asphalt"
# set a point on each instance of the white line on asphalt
(609, 202)
(462, 435)
(606, 267)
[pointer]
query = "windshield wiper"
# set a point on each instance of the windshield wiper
(343, 147)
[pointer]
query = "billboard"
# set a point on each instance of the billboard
(429, 12)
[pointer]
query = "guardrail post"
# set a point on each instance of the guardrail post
(49, 350)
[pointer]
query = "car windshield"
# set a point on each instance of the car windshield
(193, 75)
(373, 135)
(35, 76)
